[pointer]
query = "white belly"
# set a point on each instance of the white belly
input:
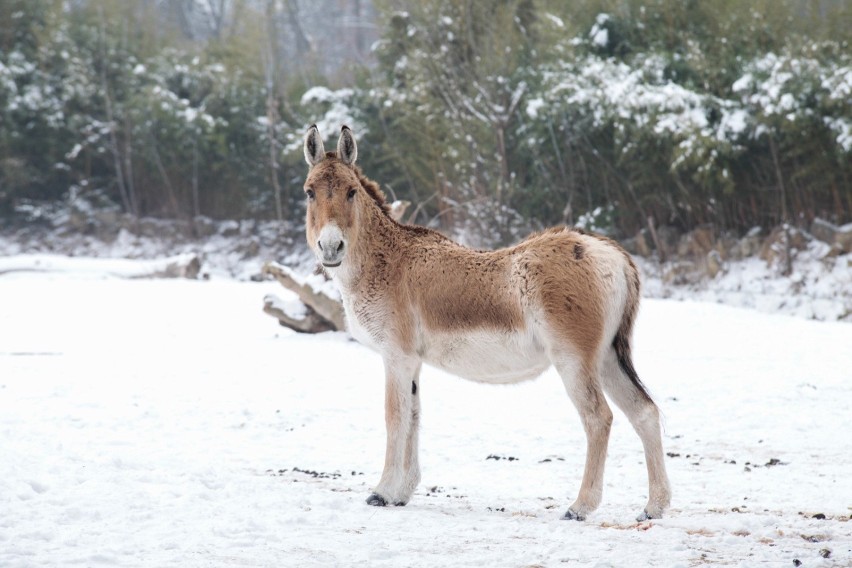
(487, 356)
(484, 356)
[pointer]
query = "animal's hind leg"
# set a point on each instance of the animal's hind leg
(401, 473)
(585, 392)
(644, 416)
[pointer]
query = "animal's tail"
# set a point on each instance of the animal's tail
(621, 342)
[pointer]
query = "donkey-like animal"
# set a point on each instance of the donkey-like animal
(562, 297)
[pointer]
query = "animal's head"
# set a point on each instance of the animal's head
(332, 190)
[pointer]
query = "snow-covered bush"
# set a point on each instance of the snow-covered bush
(492, 118)
(684, 154)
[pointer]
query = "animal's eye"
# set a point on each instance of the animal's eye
(310, 193)
(351, 195)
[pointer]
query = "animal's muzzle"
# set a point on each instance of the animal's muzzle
(331, 246)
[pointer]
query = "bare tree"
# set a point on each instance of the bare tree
(182, 12)
(216, 11)
(302, 42)
(272, 102)
(128, 195)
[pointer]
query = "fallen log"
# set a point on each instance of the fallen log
(398, 208)
(314, 291)
(295, 315)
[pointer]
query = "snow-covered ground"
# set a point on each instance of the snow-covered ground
(172, 423)
(819, 288)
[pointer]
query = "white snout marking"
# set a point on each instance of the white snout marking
(330, 238)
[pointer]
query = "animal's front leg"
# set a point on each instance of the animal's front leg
(402, 418)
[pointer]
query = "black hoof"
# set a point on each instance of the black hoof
(376, 500)
(399, 504)
(644, 516)
(573, 516)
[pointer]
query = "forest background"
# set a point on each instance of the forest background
(493, 117)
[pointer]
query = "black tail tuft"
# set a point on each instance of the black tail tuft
(621, 344)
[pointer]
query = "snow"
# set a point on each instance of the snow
(819, 288)
(732, 124)
(74, 152)
(635, 96)
(316, 282)
(236, 249)
(172, 423)
(599, 34)
(108, 267)
(293, 308)
(556, 20)
(600, 37)
(337, 109)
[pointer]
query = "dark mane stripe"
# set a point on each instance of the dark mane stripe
(374, 191)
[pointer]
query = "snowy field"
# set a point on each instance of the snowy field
(172, 423)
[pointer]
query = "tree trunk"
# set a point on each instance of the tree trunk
(271, 103)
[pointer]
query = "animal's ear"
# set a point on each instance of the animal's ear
(347, 151)
(314, 150)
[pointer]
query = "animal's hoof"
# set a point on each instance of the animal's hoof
(646, 516)
(573, 516)
(376, 500)
(400, 504)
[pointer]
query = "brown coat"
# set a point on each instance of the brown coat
(561, 297)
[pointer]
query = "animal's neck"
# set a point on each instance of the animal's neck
(376, 242)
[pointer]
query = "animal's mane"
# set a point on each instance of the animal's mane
(378, 196)
(374, 191)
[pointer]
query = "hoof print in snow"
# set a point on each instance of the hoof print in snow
(435, 490)
(317, 474)
(771, 463)
(497, 510)
(572, 516)
(376, 500)
(310, 472)
(498, 458)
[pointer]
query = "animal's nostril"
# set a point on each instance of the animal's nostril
(319, 244)
(340, 246)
